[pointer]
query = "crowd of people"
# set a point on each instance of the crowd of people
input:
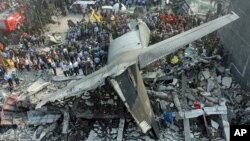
(85, 47)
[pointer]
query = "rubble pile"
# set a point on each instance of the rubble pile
(196, 95)
(199, 89)
(192, 93)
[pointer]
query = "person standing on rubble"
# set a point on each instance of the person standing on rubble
(76, 68)
(49, 60)
(1, 72)
(35, 64)
(15, 77)
(27, 63)
(53, 66)
(41, 63)
(82, 65)
(70, 66)
(8, 78)
(65, 69)
(97, 62)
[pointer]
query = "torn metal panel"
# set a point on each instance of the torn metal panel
(66, 117)
(177, 104)
(218, 110)
(186, 129)
(193, 113)
(163, 48)
(63, 78)
(135, 98)
(38, 117)
(158, 94)
(37, 86)
(120, 130)
(88, 114)
(226, 127)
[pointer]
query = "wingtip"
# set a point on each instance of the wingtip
(236, 16)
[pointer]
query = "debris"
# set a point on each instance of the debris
(214, 124)
(220, 69)
(238, 98)
(168, 117)
(174, 127)
(175, 81)
(37, 86)
(218, 78)
(210, 85)
(164, 104)
(247, 114)
(186, 129)
(171, 105)
(226, 127)
(205, 94)
(197, 105)
(66, 118)
(63, 78)
(227, 81)
(120, 130)
(193, 113)
(217, 110)
(8, 110)
(42, 131)
(206, 74)
(177, 103)
(38, 117)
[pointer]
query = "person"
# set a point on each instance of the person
(35, 64)
(15, 77)
(82, 65)
(27, 64)
(83, 11)
(8, 78)
(97, 62)
(48, 59)
(42, 63)
(53, 66)
(1, 72)
(75, 66)
(65, 69)
(70, 66)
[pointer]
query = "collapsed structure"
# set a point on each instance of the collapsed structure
(123, 74)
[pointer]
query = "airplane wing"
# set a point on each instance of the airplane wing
(163, 48)
(90, 82)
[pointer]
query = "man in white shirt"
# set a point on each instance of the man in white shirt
(70, 66)
(76, 68)
(65, 69)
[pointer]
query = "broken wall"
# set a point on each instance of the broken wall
(236, 39)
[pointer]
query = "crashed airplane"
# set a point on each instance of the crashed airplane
(127, 55)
